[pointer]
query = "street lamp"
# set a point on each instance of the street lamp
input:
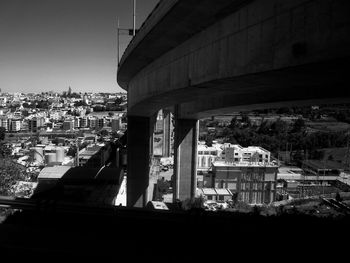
(126, 31)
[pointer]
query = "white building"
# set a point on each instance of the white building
(230, 153)
(84, 122)
(77, 123)
(15, 125)
(237, 153)
(93, 123)
(4, 123)
(207, 155)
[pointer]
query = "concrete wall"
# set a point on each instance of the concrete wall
(262, 36)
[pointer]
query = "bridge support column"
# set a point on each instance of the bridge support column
(166, 133)
(140, 132)
(185, 164)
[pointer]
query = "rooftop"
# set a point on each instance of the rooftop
(323, 164)
(54, 172)
(68, 173)
(244, 164)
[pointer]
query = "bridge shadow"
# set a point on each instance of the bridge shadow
(81, 185)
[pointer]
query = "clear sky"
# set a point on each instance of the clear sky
(52, 44)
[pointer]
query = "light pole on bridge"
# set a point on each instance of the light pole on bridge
(126, 31)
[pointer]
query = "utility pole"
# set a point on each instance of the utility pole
(77, 154)
(118, 50)
(134, 18)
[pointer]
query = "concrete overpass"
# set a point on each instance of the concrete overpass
(212, 57)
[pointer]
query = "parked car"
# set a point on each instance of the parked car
(210, 205)
(222, 204)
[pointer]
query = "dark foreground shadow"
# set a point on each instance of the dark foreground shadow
(136, 235)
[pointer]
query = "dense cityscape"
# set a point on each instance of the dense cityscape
(246, 161)
(50, 129)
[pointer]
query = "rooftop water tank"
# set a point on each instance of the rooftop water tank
(38, 154)
(50, 158)
(59, 154)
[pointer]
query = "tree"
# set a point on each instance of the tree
(2, 133)
(264, 127)
(72, 151)
(5, 151)
(26, 105)
(115, 135)
(279, 126)
(245, 119)
(297, 157)
(209, 140)
(79, 103)
(298, 125)
(104, 132)
(118, 101)
(10, 173)
(42, 104)
(233, 123)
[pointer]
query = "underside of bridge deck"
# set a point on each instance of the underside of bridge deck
(215, 57)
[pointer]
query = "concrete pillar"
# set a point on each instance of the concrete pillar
(140, 133)
(166, 151)
(185, 163)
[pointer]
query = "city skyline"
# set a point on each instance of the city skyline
(51, 45)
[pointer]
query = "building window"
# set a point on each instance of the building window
(203, 161)
(254, 198)
(258, 198)
(222, 183)
(267, 187)
(242, 196)
(232, 186)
